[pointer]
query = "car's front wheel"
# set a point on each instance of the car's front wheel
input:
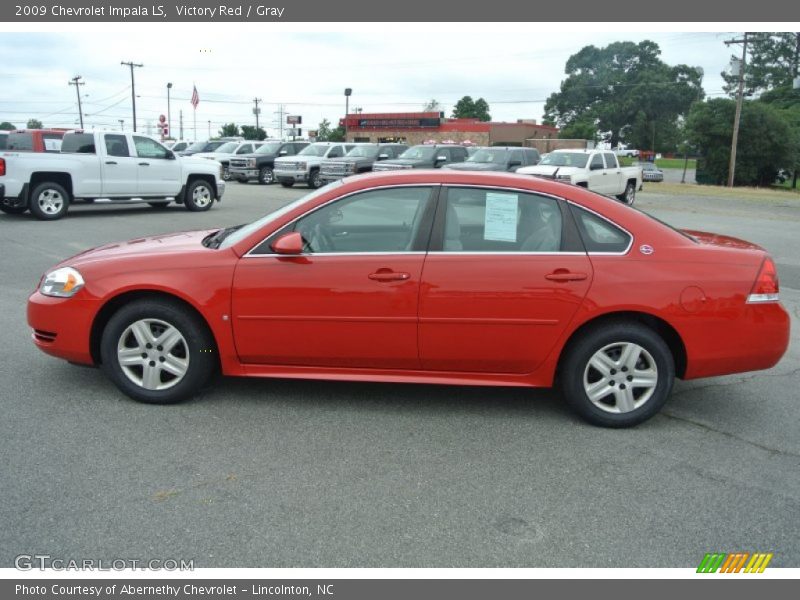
(265, 176)
(199, 195)
(157, 351)
(617, 375)
(314, 180)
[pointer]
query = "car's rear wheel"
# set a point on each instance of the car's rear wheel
(49, 201)
(199, 195)
(156, 351)
(629, 195)
(265, 176)
(618, 374)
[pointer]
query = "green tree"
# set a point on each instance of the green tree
(467, 108)
(770, 62)
(229, 130)
(324, 131)
(787, 101)
(626, 90)
(765, 145)
(432, 105)
(250, 132)
(6, 126)
(337, 135)
(34, 124)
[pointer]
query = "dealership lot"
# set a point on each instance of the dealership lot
(292, 473)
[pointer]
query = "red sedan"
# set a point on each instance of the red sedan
(425, 277)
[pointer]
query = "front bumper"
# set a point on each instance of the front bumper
(300, 176)
(241, 173)
(62, 326)
(220, 189)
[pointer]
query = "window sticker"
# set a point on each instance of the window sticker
(500, 217)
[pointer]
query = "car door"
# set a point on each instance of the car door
(119, 167)
(504, 276)
(159, 173)
(615, 179)
(598, 178)
(350, 300)
(516, 160)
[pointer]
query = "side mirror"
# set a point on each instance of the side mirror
(595, 167)
(282, 153)
(288, 243)
(441, 158)
(170, 155)
(383, 156)
(514, 164)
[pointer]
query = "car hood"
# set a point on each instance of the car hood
(716, 239)
(157, 245)
(469, 166)
(405, 161)
(547, 170)
(214, 155)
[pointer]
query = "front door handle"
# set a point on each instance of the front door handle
(144, 164)
(111, 162)
(565, 275)
(388, 275)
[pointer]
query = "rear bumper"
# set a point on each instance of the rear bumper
(757, 340)
(62, 326)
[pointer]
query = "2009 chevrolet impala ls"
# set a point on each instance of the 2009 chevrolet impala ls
(426, 277)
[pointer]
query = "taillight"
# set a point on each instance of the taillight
(765, 289)
(2, 166)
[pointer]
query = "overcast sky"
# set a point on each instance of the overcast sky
(390, 70)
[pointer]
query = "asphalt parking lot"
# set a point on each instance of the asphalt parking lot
(316, 474)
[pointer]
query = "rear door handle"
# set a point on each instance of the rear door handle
(388, 275)
(564, 275)
(111, 162)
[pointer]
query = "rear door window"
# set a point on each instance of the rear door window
(79, 143)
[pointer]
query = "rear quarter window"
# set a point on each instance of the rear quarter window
(598, 234)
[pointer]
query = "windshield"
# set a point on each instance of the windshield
(489, 155)
(246, 230)
(364, 152)
(419, 153)
(228, 148)
(269, 148)
(314, 150)
(565, 159)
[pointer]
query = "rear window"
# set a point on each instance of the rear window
(20, 141)
(78, 143)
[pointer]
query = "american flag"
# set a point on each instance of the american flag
(195, 98)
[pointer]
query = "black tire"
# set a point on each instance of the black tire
(226, 172)
(199, 196)
(314, 180)
(196, 347)
(655, 363)
(49, 201)
(266, 176)
(287, 183)
(629, 195)
(159, 204)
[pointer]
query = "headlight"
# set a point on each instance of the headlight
(251, 162)
(564, 177)
(350, 168)
(61, 283)
(302, 166)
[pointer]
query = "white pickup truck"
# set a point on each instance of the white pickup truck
(597, 170)
(105, 166)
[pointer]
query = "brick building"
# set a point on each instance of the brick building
(417, 128)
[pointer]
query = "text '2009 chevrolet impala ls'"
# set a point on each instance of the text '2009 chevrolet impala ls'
(427, 277)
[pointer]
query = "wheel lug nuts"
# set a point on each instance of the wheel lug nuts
(611, 382)
(624, 369)
(148, 346)
(152, 363)
(159, 348)
(613, 371)
(622, 386)
(144, 354)
(630, 377)
(161, 359)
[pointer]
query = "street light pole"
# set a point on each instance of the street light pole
(169, 113)
(347, 93)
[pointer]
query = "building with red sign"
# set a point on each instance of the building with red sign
(421, 127)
